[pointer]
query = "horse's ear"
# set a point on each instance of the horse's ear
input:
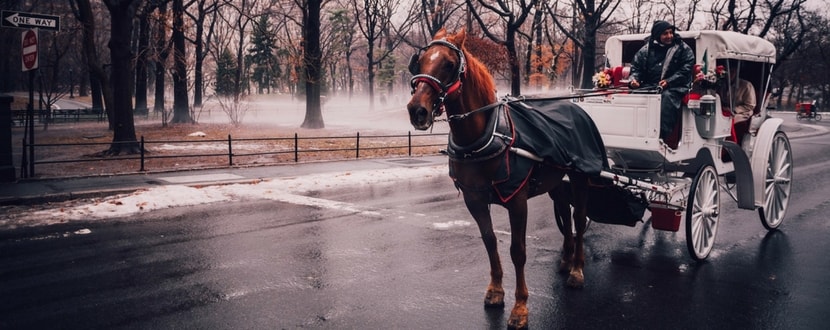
(458, 38)
(440, 34)
(414, 65)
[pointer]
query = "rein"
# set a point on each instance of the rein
(510, 99)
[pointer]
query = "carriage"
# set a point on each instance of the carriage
(605, 145)
(807, 110)
(709, 155)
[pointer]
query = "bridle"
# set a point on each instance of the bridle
(435, 83)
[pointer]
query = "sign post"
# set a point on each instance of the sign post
(29, 61)
(29, 55)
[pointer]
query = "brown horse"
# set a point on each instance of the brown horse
(448, 78)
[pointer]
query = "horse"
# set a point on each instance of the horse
(447, 78)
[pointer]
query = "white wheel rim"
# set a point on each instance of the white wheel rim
(778, 181)
(705, 212)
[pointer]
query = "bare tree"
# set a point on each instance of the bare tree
(312, 62)
(373, 16)
(591, 16)
(121, 15)
(435, 14)
(339, 44)
(756, 17)
(512, 14)
(161, 51)
(98, 76)
(206, 11)
(181, 108)
(141, 58)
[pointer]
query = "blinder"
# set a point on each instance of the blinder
(414, 64)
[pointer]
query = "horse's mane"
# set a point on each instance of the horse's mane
(478, 78)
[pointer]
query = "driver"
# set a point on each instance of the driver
(665, 61)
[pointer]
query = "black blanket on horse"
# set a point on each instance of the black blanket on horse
(558, 131)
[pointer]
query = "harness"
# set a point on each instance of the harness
(498, 136)
(435, 83)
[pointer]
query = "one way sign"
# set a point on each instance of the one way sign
(23, 20)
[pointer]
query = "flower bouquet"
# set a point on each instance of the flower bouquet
(708, 79)
(603, 78)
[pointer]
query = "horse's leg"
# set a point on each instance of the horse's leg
(562, 211)
(480, 210)
(579, 200)
(517, 209)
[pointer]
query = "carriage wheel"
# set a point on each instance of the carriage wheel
(818, 117)
(798, 116)
(777, 183)
(702, 213)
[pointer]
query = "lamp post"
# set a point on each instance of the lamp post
(71, 85)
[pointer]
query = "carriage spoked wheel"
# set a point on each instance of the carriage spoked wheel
(777, 182)
(703, 213)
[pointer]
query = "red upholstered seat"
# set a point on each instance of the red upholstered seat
(619, 76)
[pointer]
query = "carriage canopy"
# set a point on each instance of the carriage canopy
(714, 45)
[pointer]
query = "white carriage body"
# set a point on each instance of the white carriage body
(687, 178)
(630, 122)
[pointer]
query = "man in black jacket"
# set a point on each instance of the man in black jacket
(665, 61)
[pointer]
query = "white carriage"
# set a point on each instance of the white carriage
(691, 177)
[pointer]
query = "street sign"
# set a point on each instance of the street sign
(21, 20)
(29, 50)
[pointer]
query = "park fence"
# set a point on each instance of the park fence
(168, 155)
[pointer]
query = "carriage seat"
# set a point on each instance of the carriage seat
(619, 76)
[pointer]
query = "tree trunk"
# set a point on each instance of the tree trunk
(97, 93)
(313, 63)
(97, 74)
(83, 84)
(589, 54)
(515, 71)
(198, 71)
(141, 66)
(370, 71)
(181, 110)
(124, 140)
(350, 74)
(162, 52)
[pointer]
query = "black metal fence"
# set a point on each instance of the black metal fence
(60, 115)
(283, 149)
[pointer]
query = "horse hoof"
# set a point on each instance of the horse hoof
(518, 319)
(523, 326)
(494, 298)
(576, 280)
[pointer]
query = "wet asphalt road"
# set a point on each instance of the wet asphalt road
(408, 256)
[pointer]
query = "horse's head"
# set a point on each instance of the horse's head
(438, 71)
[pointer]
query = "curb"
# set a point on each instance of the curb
(101, 193)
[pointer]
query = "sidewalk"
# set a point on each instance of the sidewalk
(52, 190)
(36, 191)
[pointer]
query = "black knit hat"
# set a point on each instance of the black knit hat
(659, 27)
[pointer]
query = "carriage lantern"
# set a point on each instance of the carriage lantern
(707, 105)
